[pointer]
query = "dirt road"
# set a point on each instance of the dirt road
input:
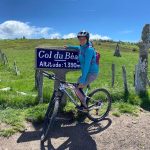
(114, 133)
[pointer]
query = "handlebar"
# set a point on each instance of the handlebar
(48, 75)
(52, 76)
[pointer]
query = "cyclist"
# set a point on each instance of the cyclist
(88, 62)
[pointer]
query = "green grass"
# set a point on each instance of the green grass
(15, 108)
(36, 113)
(7, 132)
(116, 113)
(14, 118)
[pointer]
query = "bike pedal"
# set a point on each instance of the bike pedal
(82, 109)
(99, 103)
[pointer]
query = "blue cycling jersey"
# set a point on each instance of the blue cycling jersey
(87, 58)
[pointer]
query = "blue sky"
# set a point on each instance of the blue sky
(115, 19)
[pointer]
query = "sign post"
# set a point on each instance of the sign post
(55, 59)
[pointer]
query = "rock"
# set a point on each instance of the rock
(22, 93)
(5, 89)
(117, 51)
(134, 122)
(141, 110)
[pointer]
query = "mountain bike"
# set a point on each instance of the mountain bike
(98, 102)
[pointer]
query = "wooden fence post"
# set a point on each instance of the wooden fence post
(36, 79)
(134, 76)
(40, 85)
(113, 74)
(5, 59)
(16, 69)
(0, 55)
(124, 79)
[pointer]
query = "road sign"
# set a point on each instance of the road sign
(56, 58)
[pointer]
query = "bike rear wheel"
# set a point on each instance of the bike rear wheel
(99, 104)
(50, 118)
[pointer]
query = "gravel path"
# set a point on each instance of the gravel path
(114, 133)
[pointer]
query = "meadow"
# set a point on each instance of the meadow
(16, 108)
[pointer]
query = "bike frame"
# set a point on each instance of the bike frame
(63, 88)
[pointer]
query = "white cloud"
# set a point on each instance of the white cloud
(17, 29)
(92, 36)
(97, 37)
(70, 35)
(55, 36)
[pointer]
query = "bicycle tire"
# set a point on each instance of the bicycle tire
(107, 109)
(50, 117)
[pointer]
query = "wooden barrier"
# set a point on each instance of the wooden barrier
(113, 74)
(0, 55)
(124, 79)
(3, 58)
(17, 72)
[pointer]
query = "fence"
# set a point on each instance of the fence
(4, 61)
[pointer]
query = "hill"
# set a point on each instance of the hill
(17, 107)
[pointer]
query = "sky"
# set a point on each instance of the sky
(104, 19)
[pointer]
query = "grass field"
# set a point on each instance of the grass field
(15, 108)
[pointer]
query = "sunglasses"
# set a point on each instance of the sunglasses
(82, 38)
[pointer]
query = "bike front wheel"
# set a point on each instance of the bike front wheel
(49, 118)
(99, 104)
